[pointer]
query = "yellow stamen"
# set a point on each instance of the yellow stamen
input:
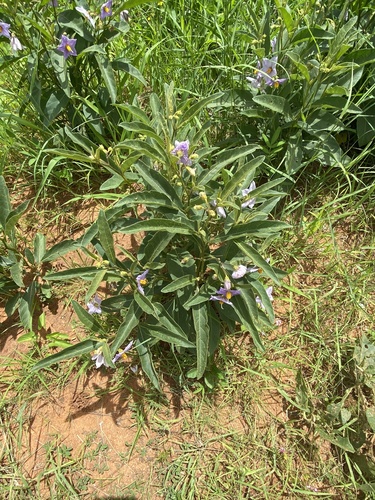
(228, 295)
(143, 282)
(106, 9)
(68, 48)
(276, 85)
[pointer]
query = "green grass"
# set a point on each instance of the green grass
(277, 425)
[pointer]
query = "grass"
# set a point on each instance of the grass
(281, 424)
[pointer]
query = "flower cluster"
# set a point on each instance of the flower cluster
(15, 44)
(266, 74)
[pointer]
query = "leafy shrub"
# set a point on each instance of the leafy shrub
(199, 270)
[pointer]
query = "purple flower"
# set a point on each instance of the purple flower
(269, 293)
(266, 74)
(15, 44)
(4, 30)
(67, 46)
(241, 270)
(181, 150)
(219, 210)
(94, 305)
(85, 13)
(142, 281)
(106, 10)
(99, 358)
(122, 354)
(251, 202)
(225, 293)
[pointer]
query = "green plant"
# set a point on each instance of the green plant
(200, 224)
(316, 110)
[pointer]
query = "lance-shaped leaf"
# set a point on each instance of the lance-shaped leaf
(258, 260)
(167, 225)
(70, 352)
(202, 331)
(179, 283)
(108, 75)
(145, 357)
(106, 237)
(244, 314)
(87, 319)
(68, 274)
(131, 320)
(158, 182)
(59, 250)
(261, 229)
(5, 206)
(164, 334)
(223, 159)
(240, 176)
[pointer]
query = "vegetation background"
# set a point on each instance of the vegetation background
(285, 410)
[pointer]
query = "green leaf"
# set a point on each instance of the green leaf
(87, 319)
(340, 441)
(274, 103)
(165, 335)
(5, 206)
(342, 41)
(14, 216)
(131, 320)
(287, 17)
(143, 129)
(112, 183)
(79, 272)
(179, 283)
(242, 309)
(108, 75)
(261, 292)
(39, 247)
(99, 277)
(106, 237)
(145, 148)
(123, 65)
(145, 357)
(16, 273)
(167, 225)
(223, 159)
(59, 250)
(300, 66)
(193, 110)
(240, 176)
(135, 111)
(77, 350)
(74, 20)
(202, 331)
(53, 103)
(258, 260)
(26, 306)
(148, 198)
(157, 243)
(261, 229)
(370, 415)
(158, 182)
